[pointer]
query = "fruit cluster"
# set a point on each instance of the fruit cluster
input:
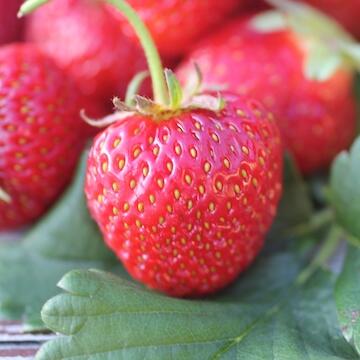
(183, 187)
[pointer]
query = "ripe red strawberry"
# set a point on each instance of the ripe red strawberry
(316, 118)
(87, 41)
(40, 133)
(183, 188)
(176, 24)
(10, 26)
(185, 202)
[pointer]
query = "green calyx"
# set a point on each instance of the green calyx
(4, 196)
(330, 47)
(29, 6)
(178, 102)
(169, 97)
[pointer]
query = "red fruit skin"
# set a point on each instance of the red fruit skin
(86, 40)
(317, 119)
(11, 28)
(176, 24)
(41, 133)
(179, 225)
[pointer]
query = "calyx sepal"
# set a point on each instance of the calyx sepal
(179, 101)
(4, 196)
(330, 47)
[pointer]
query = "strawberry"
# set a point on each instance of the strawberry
(176, 24)
(40, 133)
(185, 202)
(86, 40)
(10, 26)
(184, 188)
(316, 118)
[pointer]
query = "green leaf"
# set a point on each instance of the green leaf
(295, 206)
(269, 21)
(4, 196)
(351, 54)
(330, 46)
(263, 316)
(30, 5)
(348, 297)
(311, 22)
(357, 95)
(345, 190)
(322, 63)
(64, 239)
(174, 88)
(133, 88)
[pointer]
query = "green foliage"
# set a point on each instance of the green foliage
(348, 297)
(295, 206)
(64, 239)
(265, 315)
(345, 190)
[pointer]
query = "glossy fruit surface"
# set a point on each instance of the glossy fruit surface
(176, 24)
(316, 119)
(41, 133)
(87, 41)
(185, 202)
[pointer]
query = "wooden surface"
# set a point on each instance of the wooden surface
(15, 344)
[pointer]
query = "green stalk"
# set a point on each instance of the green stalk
(152, 56)
(325, 252)
(316, 222)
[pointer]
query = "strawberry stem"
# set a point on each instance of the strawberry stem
(317, 221)
(152, 55)
(324, 254)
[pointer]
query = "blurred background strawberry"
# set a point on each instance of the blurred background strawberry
(176, 24)
(317, 118)
(11, 28)
(92, 41)
(87, 41)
